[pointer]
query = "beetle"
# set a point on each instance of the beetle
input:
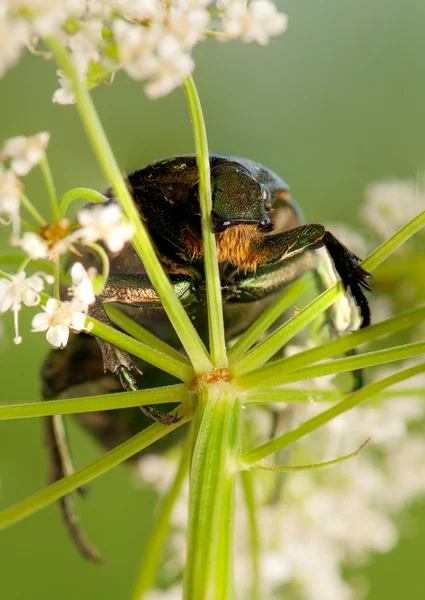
(262, 246)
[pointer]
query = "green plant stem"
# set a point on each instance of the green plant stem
(212, 276)
(312, 395)
(351, 340)
(357, 338)
(160, 395)
(50, 185)
(105, 264)
(247, 478)
(78, 479)
(143, 335)
(152, 355)
(149, 566)
(249, 459)
(78, 194)
(275, 341)
(274, 373)
(268, 466)
(268, 317)
(141, 241)
(56, 274)
(211, 505)
(30, 208)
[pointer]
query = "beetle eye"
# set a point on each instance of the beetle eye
(266, 227)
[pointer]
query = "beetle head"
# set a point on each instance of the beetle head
(238, 199)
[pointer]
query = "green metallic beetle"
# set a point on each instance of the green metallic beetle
(261, 247)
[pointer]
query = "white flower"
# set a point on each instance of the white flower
(104, 222)
(25, 152)
(256, 21)
(33, 245)
(57, 319)
(65, 94)
(10, 190)
(82, 286)
(390, 205)
(20, 290)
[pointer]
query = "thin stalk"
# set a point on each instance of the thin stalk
(250, 458)
(138, 332)
(161, 395)
(269, 316)
(212, 275)
(274, 342)
(150, 563)
(209, 560)
(30, 208)
(268, 466)
(141, 240)
(152, 355)
(274, 374)
(312, 395)
(352, 340)
(105, 265)
(50, 185)
(56, 275)
(78, 194)
(111, 459)
(247, 479)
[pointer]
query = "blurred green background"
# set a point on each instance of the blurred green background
(332, 105)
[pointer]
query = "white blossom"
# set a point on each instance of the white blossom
(25, 152)
(10, 190)
(390, 205)
(256, 21)
(82, 284)
(19, 290)
(65, 94)
(104, 222)
(33, 244)
(58, 318)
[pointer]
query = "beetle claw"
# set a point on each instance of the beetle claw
(352, 274)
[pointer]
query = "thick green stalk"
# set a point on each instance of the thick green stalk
(211, 507)
(146, 576)
(77, 194)
(274, 373)
(138, 332)
(212, 275)
(160, 395)
(268, 317)
(78, 479)
(141, 240)
(251, 458)
(274, 342)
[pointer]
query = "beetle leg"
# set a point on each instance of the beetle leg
(136, 291)
(61, 466)
(283, 246)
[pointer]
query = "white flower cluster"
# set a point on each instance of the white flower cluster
(152, 40)
(57, 318)
(24, 154)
